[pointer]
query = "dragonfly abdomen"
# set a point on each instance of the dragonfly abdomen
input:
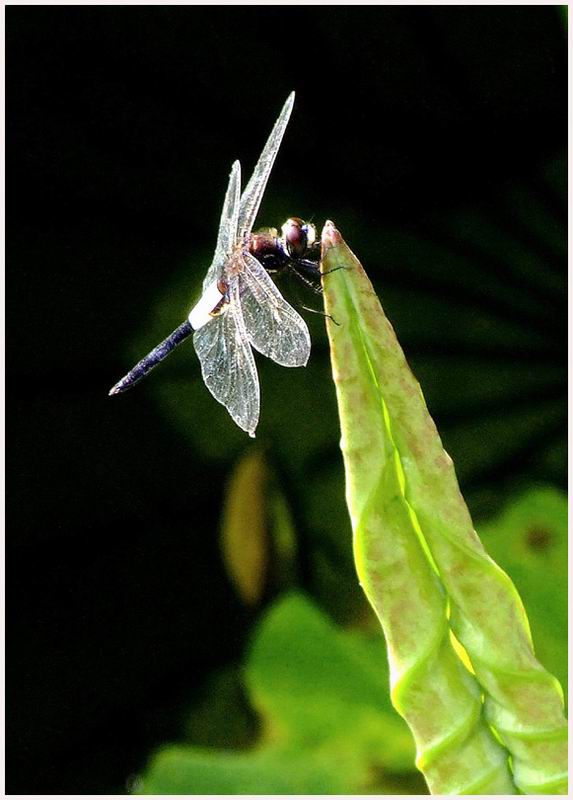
(153, 358)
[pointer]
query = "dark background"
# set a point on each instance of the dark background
(435, 139)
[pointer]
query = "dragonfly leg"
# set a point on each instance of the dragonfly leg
(334, 269)
(307, 281)
(322, 314)
(310, 266)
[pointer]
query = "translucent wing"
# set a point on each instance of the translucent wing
(227, 236)
(228, 365)
(253, 194)
(273, 326)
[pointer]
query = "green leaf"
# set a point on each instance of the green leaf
(529, 541)
(408, 516)
(327, 726)
(312, 684)
(244, 528)
(258, 540)
(186, 770)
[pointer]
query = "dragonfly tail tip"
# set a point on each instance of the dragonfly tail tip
(115, 389)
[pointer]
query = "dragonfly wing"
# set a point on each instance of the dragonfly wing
(274, 328)
(227, 236)
(253, 194)
(227, 363)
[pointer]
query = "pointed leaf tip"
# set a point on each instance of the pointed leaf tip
(330, 236)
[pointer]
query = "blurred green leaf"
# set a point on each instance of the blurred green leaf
(313, 683)
(181, 770)
(529, 541)
(244, 536)
(258, 539)
(283, 536)
(327, 724)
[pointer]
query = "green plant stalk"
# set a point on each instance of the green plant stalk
(523, 702)
(439, 699)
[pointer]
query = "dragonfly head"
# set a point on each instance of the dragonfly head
(298, 236)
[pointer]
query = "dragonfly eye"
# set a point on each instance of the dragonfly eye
(295, 236)
(310, 232)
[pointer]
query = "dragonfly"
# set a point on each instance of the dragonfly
(240, 307)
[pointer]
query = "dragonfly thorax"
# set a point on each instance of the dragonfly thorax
(234, 265)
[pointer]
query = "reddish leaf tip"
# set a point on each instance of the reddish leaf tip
(330, 236)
